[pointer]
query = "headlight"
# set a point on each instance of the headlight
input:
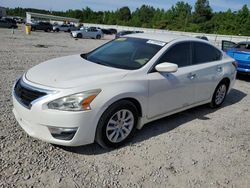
(75, 102)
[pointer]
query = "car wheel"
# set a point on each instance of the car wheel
(48, 30)
(57, 30)
(98, 36)
(117, 124)
(69, 30)
(219, 94)
(79, 35)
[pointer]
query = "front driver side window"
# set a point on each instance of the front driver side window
(179, 54)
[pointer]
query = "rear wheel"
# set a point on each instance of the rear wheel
(57, 30)
(219, 94)
(98, 36)
(117, 124)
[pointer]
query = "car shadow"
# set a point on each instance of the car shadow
(163, 125)
(243, 77)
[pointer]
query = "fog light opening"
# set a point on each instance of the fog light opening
(62, 133)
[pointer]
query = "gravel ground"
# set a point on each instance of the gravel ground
(200, 147)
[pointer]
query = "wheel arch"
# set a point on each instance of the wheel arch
(227, 81)
(135, 102)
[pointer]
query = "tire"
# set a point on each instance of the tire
(79, 35)
(98, 36)
(113, 135)
(57, 30)
(69, 30)
(220, 94)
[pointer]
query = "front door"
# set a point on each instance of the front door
(169, 92)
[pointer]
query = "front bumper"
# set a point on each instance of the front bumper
(36, 122)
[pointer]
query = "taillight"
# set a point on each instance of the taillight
(235, 64)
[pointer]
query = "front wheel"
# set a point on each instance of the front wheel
(117, 124)
(219, 94)
(79, 35)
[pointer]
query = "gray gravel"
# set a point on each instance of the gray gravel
(200, 147)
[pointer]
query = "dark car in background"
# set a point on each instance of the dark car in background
(8, 23)
(240, 52)
(106, 31)
(122, 33)
(44, 26)
(113, 31)
(203, 37)
(19, 20)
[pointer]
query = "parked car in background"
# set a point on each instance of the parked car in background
(109, 31)
(113, 31)
(8, 23)
(19, 20)
(122, 33)
(240, 52)
(88, 33)
(103, 96)
(106, 31)
(65, 28)
(44, 26)
(202, 37)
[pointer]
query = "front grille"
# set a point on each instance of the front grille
(25, 94)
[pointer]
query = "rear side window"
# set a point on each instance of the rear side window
(179, 54)
(204, 53)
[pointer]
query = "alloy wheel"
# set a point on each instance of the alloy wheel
(120, 126)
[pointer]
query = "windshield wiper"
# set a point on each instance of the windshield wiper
(100, 63)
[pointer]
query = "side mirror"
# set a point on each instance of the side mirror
(166, 67)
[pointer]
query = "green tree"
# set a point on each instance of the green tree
(202, 12)
(124, 14)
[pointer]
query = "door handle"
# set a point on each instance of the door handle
(191, 76)
(219, 69)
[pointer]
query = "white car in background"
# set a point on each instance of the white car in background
(65, 28)
(91, 32)
(106, 94)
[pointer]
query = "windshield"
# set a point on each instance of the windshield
(125, 53)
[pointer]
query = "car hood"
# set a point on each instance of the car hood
(72, 71)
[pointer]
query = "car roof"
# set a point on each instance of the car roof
(164, 37)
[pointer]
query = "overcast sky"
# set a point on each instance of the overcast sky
(217, 5)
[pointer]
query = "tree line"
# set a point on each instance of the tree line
(180, 17)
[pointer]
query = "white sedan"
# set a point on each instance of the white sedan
(106, 94)
(88, 33)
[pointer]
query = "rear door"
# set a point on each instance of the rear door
(208, 69)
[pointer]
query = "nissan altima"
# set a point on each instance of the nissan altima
(105, 95)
